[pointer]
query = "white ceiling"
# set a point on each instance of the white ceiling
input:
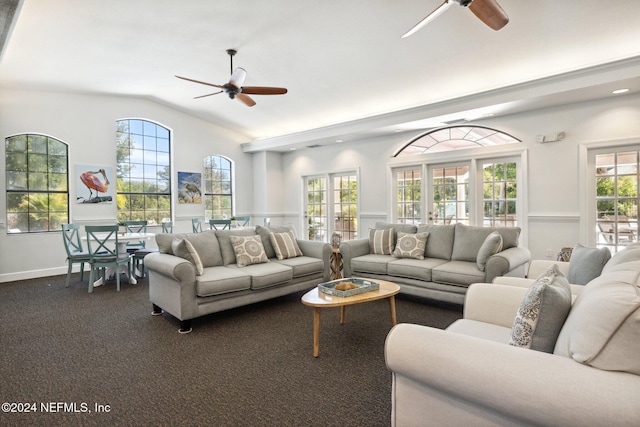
(348, 72)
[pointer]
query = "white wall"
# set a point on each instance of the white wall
(554, 219)
(87, 125)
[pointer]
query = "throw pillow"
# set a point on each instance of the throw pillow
(381, 241)
(285, 245)
(492, 245)
(411, 245)
(184, 249)
(542, 312)
(586, 264)
(248, 250)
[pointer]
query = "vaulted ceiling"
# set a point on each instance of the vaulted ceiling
(348, 72)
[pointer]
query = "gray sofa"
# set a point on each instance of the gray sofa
(178, 287)
(450, 261)
(469, 375)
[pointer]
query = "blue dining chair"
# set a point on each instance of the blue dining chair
(220, 224)
(196, 225)
(102, 242)
(243, 221)
(167, 227)
(73, 246)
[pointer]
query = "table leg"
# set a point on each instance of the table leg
(343, 311)
(316, 331)
(392, 306)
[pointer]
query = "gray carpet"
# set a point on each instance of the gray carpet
(251, 366)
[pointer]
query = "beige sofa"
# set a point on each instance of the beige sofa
(468, 375)
(450, 263)
(189, 285)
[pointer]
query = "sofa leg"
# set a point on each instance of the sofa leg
(157, 311)
(185, 326)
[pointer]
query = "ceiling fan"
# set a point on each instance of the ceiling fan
(235, 89)
(488, 11)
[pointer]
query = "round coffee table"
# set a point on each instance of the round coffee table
(319, 300)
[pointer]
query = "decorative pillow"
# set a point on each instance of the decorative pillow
(542, 312)
(184, 249)
(492, 245)
(411, 245)
(249, 250)
(285, 245)
(381, 241)
(586, 264)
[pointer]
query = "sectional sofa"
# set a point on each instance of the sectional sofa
(452, 257)
(202, 273)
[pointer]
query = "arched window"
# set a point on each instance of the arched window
(37, 183)
(218, 187)
(455, 138)
(143, 171)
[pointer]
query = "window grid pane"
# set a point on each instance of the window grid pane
(500, 194)
(218, 187)
(409, 196)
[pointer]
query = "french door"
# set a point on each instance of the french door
(331, 205)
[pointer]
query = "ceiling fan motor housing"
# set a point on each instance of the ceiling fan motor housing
(463, 3)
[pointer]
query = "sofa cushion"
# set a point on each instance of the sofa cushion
(381, 242)
(602, 327)
(264, 232)
(440, 241)
(630, 253)
(460, 273)
(372, 263)
(248, 250)
(222, 280)
(586, 264)
(405, 228)
(165, 240)
(266, 274)
(303, 265)
(410, 245)
(184, 249)
(542, 312)
(419, 269)
(224, 239)
(285, 245)
(469, 239)
(492, 245)
(207, 246)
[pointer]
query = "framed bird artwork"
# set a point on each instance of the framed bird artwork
(94, 184)
(189, 187)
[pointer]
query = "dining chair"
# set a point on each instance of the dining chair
(138, 256)
(135, 226)
(73, 246)
(102, 242)
(243, 221)
(220, 224)
(196, 225)
(167, 227)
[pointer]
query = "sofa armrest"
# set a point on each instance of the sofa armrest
(491, 303)
(504, 262)
(320, 250)
(171, 266)
(351, 249)
(539, 266)
(517, 385)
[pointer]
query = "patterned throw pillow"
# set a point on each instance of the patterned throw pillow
(184, 249)
(411, 245)
(542, 313)
(381, 241)
(249, 250)
(285, 245)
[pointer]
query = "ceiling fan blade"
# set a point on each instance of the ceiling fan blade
(246, 99)
(202, 83)
(209, 94)
(263, 90)
(430, 17)
(489, 12)
(238, 77)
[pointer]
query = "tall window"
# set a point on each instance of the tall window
(617, 176)
(450, 192)
(500, 189)
(317, 226)
(143, 171)
(218, 187)
(409, 196)
(37, 183)
(345, 208)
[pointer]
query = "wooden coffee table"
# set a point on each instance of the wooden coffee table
(319, 300)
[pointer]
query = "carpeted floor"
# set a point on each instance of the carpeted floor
(251, 366)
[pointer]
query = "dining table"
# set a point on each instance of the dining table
(123, 239)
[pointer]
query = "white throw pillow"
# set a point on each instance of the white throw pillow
(285, 245)
(381, 242)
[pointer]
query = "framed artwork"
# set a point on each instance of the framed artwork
(95, 184)
(189, 187)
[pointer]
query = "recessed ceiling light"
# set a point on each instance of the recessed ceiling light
(618, 91)
(292, 149)
(339, 140)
